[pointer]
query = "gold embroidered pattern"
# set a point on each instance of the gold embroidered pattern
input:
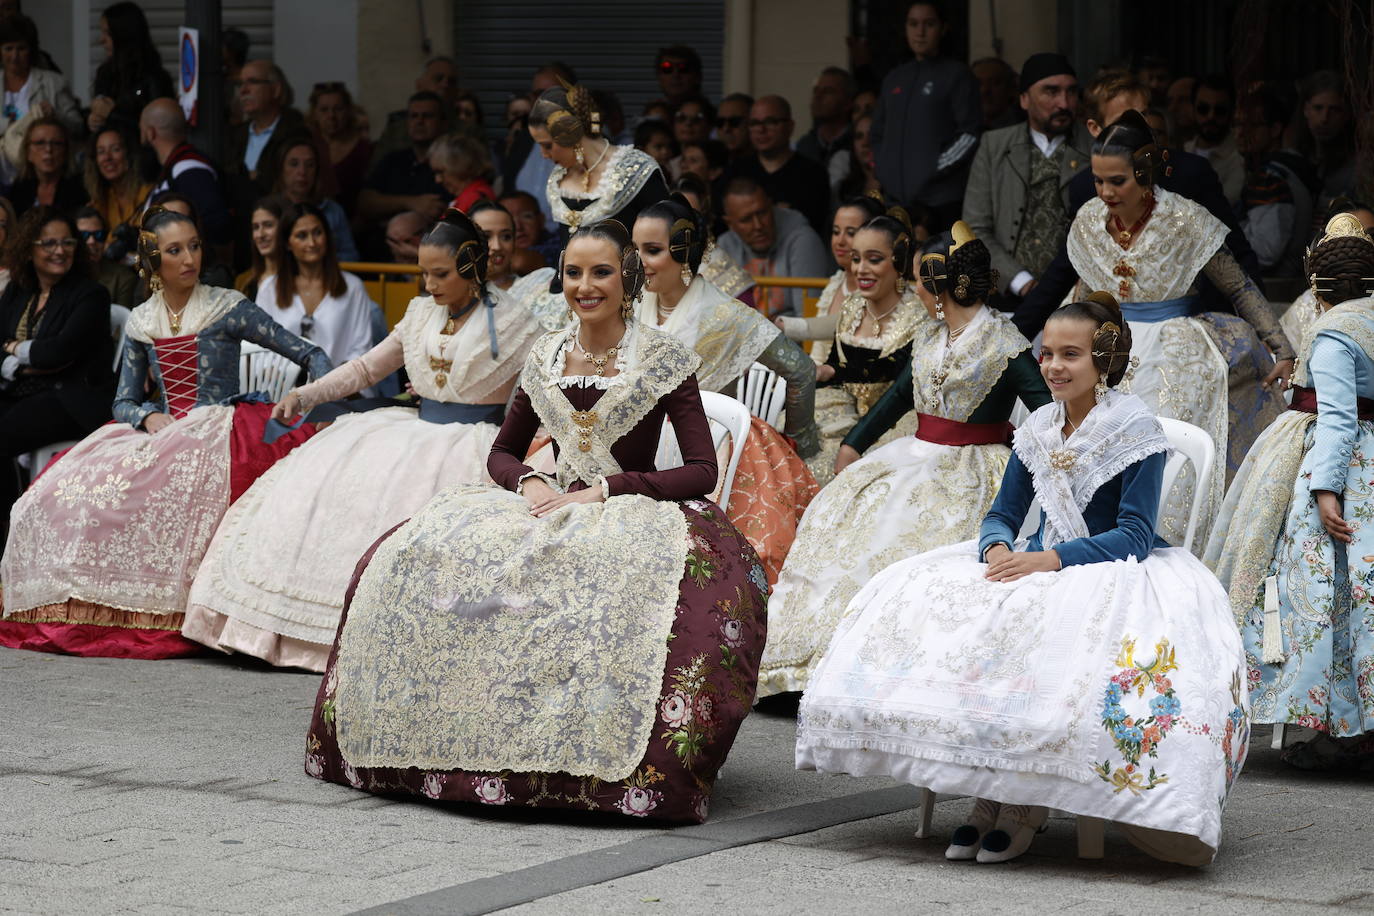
(584, 420)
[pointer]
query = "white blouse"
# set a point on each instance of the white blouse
(341, 325)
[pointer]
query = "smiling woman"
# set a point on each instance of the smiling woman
(584, 639)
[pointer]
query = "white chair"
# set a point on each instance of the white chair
(266, 371)
(727, 417)
(764, 392)
(1187, 444)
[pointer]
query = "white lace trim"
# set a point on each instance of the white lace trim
(206, 305)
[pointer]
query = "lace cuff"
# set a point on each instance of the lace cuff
(552, 482)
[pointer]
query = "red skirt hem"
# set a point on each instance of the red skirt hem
(90, 640)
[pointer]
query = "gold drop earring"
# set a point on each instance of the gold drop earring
(1100, 389)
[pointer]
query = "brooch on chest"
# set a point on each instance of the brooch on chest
(441, 369)
(1062, 459)
(584, 420)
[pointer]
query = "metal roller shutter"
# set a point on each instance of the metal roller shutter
(610, 43)
(165, 17)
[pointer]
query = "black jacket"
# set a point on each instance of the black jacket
(72, 350)
(1185, 174)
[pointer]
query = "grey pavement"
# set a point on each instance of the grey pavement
(176, 787)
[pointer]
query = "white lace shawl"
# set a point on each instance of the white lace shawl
(727, 334)
(1165, 258)
(207, 304)
(474, 374)
(627, 169)
(1117, 433)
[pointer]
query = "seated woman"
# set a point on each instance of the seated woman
(587, 639)
(1091, 668)
(1291, 543)
(772, 484)
(310, 295)
(968, 369)
(103, 547)
(263, 224)
(55, 377)
(498, 226)
(272, 584)
(872, 340)
(300, 181)
(848, 219)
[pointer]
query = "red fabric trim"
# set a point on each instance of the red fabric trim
(1305, 400)
(93, 641)
(249, 456)
(951, 432)
(177, 358)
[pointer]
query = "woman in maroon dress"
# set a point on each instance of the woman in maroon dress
(586, 639)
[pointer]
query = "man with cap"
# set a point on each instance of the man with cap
(1017, 199)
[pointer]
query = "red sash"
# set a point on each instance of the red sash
(952, 432)
(1305, 399)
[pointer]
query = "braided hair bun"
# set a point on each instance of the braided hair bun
(1340, 267)
(687, 229)
(896, 225)
(462, 238)
(1130, 138)
(1112, 338)
(568, 113)
(631, 268)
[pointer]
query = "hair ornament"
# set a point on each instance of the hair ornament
(962, 234)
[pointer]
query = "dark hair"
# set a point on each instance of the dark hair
(483, 205)
(467, 95)
(647, 130)
(287, 268)
(744, 186)
(424, 95)
(1111, 351)
(1341, 268)
(96, 186)
(936, 5)
(896, 225)
(517, 194)
(89, 212)
(1335, 152)
(175, 197)
(19, 29)
(691, 183)
(23, 237)
(275, 205)
(155, 219)
(1271, 106)
(850, 86)
(697, 98)
(560, 70)
(1217, 82)
(554, 106)
(687, 232)
(871, 206)
(744, 97)
(236, 42)
(316, 193)
(1130, 138)
(631, 268)
(717, 156)
(134, 55)
(680, 52)
(321, 90)
(465, 242)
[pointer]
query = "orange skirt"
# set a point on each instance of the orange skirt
(772, 489)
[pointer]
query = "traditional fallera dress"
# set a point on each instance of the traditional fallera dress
(1204, 369)
(1305, 604)
(630, 181)
(1299, 318)
(864, 369)
(104, 545)
(721, 269)
(1112, 688)
(772, 485)
(601, 658)
(272, 584)
(909, 496)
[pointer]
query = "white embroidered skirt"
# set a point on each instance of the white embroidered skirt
(272, 583)
(900, 500)
(1113, 690)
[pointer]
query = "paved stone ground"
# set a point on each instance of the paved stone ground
(174, 787)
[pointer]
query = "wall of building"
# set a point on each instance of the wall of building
(1023, 27)
(778, 47)
(316, 41)
(389, 52)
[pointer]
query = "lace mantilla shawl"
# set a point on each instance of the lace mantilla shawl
(1164, 260)
(1117, 433)
(909, 317)
(1241, 549)
(727, 334)
(525, 288)
(660, 364)
(472, 373)
(207, 304)
(721, 269)
(952, 382)
(626, 171)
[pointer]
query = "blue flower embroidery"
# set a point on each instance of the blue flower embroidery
(1164, 706)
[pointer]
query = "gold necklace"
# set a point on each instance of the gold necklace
(598, 363)
(174, 318)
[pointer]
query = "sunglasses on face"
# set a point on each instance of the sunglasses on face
(1204, 109)
(54, 244)
(669, 66)
(732, 122)
(768, 123)
(98, 234)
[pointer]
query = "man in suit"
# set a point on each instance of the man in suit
(1108, 97)
(1017, 199)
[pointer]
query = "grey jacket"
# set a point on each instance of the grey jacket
(995, 199)
(797, 252)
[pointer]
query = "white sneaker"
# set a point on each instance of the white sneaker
(964, 843)
(1016, 826)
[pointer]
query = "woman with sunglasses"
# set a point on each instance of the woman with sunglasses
(45, 178)
(310, 295)
(273, 582)
(55, 378)
(103, 547)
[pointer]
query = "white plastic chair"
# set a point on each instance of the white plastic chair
(266, 371)
(727, 417)
(1187, 444)
(764, 392)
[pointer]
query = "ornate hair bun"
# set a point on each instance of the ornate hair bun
(1104, 298)
(962, 234)
(1344, 225)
